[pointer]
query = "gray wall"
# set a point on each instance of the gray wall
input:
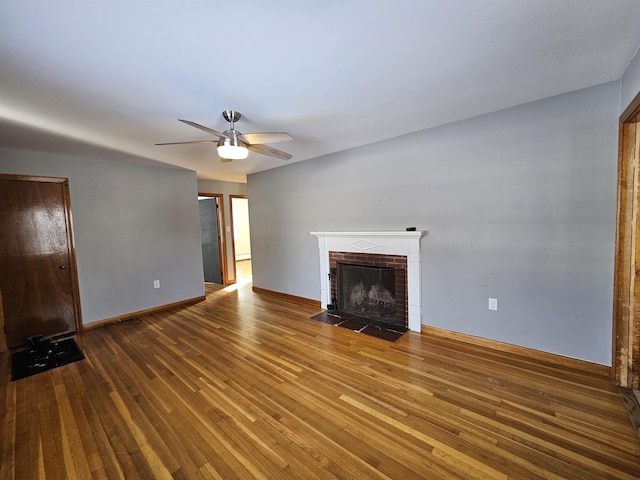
(226, 189)
(132, 224)
(519, 205)
(630, 82)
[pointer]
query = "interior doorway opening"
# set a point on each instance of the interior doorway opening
(241, 238)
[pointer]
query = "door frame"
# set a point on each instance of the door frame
(222, 245)
(626, 294)
(75, 286)
(233, 232)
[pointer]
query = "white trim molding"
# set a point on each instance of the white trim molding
(405, 243)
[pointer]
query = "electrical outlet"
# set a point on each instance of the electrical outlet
(156, 284)
(493, 304)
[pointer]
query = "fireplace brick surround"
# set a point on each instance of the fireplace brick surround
(375, 243)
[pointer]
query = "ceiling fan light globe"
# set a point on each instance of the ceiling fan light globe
(233, 152)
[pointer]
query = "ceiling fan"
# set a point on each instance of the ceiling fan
(233, 145)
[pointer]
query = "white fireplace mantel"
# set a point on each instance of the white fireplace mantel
(402, 242)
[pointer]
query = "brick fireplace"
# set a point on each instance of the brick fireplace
(399, 250)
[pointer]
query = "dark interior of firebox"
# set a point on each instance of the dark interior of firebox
(367, 293)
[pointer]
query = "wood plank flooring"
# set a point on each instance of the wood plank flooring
(244, 385)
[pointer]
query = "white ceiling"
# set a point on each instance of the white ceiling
(110, 78)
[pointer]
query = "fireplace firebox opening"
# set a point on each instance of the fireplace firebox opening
(369, 289)
(367, 292)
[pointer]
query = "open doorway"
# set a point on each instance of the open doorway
(241, 239)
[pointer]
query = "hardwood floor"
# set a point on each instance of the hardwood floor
(244, 385)
(244, 272)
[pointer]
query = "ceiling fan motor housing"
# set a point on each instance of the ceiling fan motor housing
(231, 139)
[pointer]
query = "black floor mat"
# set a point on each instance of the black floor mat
(30, 362)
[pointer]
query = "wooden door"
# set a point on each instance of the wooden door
(210, 235)
(38, 286)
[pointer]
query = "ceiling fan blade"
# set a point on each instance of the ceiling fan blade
(203, 128)
(182, 143)
(225, 160)
(269, 151)
(265, 137)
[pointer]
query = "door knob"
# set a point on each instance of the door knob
(63, 267)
